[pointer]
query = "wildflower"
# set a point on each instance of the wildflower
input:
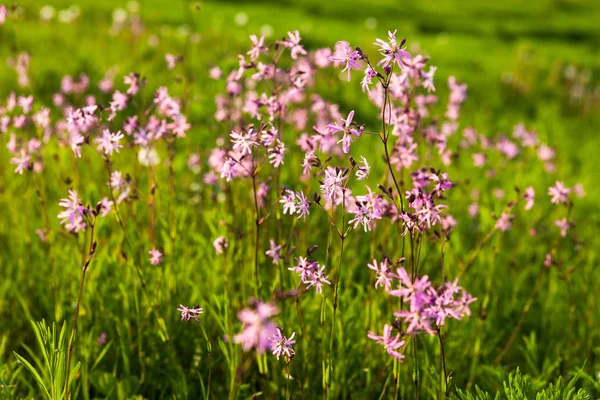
(317, 278)
(133, 82)
(427, 77)
(321, 57)
(280, 345)
(109, 142)
(220, 244)
(101, 339)
(391, 344)
(3, 14)
(362, 172)
(529, 197)
(293, 43)
(478, 160)
(368, 79)
(73, 216)
(276, 154)
(215, 73)
(333, 184)
(295, 203)
(564, 226)
(304, 268)
(245, 141)
(171, 60)
(274, 251)
(155, 256)
(105, 206)
(391, 51)
(504, 222)
(189, 313)
(384, 275)
(148, 157)
(349, 58)
(578, 189)
(350, 134)
(548, 261)
(257, 327)
(229, 169)
(23, 162)
(559, 193)
(257, 47)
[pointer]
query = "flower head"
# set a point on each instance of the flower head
(391, 51)
(257, 327)
(559, 193)
(389, 342)
(281, 345)
(188, 313)
(73, 216)
(155, 256)
(349, 57)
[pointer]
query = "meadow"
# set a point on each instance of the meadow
(334, 213)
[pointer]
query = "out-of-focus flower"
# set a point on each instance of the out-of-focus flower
(257, 327)
(155, 256)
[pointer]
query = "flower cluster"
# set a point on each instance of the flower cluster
(311, 273)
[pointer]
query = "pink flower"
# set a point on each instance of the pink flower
(478, 160)
(244, 141)
(504, 222)
(350, 133)
(362, 171)
(368, 79)
(280, 345)
(529, 197)
(73, 216)
(317, 278)
(391, 344)
(293, 43)
(384, 275)
(155, 257)
(3, 14)
(109, 142)
(220, 244)
(257, 327)
(188, 313)
(133, 82)
(564, 226)
(274, 251)
(322, 57)
(258, 46)
(23, 162)
(105, 206)
(391, 51)
(171, 60)
(215, 73)
(349, 57)
(559, 193)
(295, 203)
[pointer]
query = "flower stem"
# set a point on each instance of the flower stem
(85, 266)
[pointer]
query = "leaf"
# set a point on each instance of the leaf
(34, 372)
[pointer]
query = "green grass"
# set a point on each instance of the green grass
(513, 56)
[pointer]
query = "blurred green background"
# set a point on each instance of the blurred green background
(531, 61)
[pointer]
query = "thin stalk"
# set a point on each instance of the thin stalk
(209, 351)
(444, 381)
(85, 266)
(256, 236)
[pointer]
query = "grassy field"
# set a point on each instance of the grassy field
(534, 62)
